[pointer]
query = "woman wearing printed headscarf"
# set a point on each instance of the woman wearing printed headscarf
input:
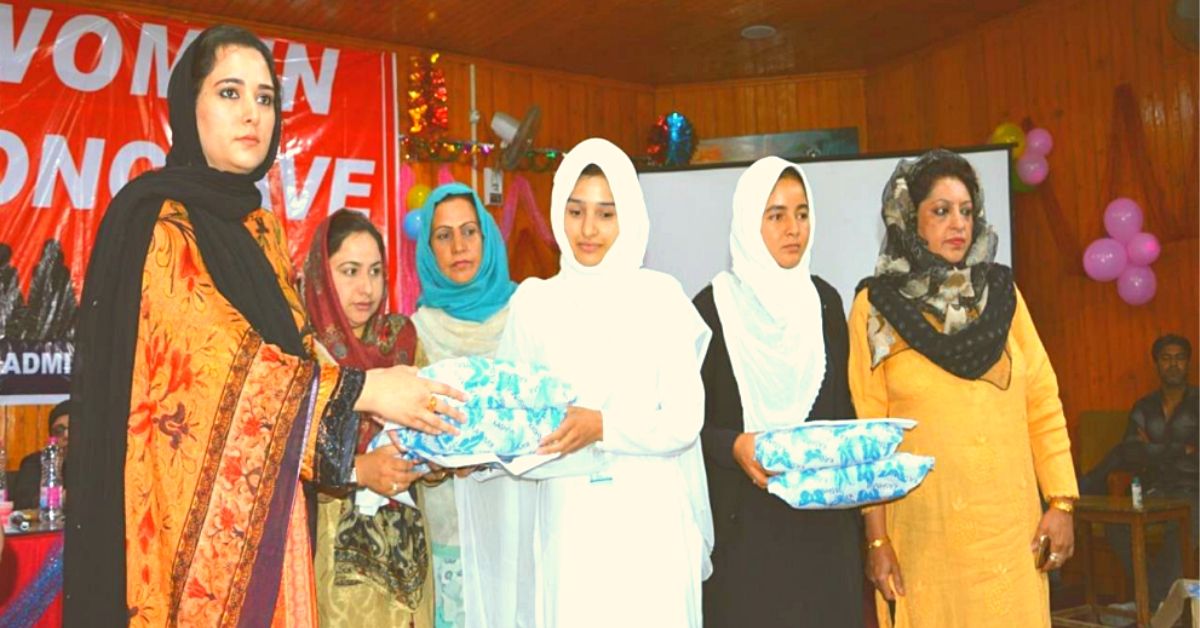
(370, 569)
(777, 358)
(200, 404)
(481, 525)
(623, 530)
(941, 334)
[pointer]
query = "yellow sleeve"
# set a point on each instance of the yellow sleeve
(868, 387)
(1047, 424)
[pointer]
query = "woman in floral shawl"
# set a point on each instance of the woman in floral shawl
(200, 403)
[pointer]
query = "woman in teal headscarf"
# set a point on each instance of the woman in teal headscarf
(480, 525)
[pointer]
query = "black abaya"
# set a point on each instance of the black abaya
(774, 565)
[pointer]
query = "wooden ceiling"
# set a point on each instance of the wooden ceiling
(654, 42)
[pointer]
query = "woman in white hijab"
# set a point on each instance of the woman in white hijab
(777, 358)
(623, 531)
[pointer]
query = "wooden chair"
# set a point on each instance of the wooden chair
(1097, 433)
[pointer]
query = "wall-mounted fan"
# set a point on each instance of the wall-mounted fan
(1183, 18)
(516, 137)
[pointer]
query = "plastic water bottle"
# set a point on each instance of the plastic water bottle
(50, 510)
(1135, 492)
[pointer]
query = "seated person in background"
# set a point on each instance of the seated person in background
(1160, 447)
(29, 478)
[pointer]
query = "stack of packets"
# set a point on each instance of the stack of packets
(510, 408)
(840, 464)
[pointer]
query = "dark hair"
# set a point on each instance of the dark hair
(218, 37)
(1169, 340)
(345, 222)
(939, 164)
(591, 170)
(791, 174)
(62, 409)
(468, 197)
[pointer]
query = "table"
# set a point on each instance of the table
(31, 579)
(1110, 509)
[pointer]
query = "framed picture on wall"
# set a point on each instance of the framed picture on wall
(790, 145)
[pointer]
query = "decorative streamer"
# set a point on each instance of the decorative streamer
(428, 113)
(521, 193)
(420, 149)
(407, 286)
(32, 602)
(444, 175)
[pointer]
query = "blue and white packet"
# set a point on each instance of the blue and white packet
(851, 486)
(827, 444)
(510, 408)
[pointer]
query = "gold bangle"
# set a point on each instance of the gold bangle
(1064, 504)
(879, 542)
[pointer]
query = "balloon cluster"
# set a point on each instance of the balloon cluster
(427, 110)
(415, 201)
(1126, 254)
(1029, 152)
(672, 140)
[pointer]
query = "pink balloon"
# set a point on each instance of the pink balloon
(1137, 285)
(1142, 249)
(1032, 169)
(1039, 142)
(1123, 219)
(1104, 259)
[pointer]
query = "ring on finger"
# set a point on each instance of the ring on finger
(1054, 557)
(395, 488)
(432, 403)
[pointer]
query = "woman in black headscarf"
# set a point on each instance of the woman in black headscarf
(200, 404)
(941, 334)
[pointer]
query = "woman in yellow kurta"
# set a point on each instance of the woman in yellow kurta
(201, 404)
(940, 334)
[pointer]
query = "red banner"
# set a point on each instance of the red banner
(83, 110)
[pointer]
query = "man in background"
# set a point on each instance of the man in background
(27, 488)
(1160, 447)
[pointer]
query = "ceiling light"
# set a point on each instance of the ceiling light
(758, 31)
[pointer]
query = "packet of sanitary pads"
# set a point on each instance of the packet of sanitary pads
(823, 444)
(851, 486)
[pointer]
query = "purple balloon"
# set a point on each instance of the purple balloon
(1142, 249)
(1104, 259)
(1123, 219)
(1137, 285)
(1039, 142)
(1032, 169)
(412, 224)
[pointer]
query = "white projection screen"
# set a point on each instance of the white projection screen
(691, 209)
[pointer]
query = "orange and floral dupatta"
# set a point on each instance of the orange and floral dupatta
(221, 431)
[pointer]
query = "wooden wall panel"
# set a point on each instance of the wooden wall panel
(750, 107)
(1060, 65)
(24, 429)
(573, 109)
(646, 41)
